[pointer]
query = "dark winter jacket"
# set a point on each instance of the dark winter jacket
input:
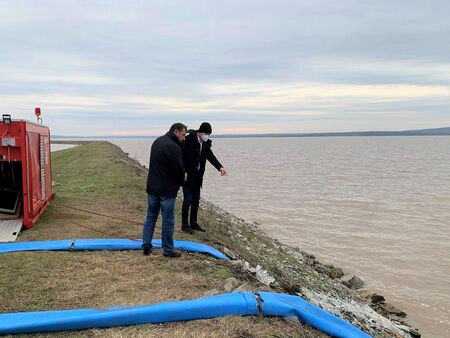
(166, 171)
(192, 158)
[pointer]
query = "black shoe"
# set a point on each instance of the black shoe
(197, 227)
(174, 254)
(187, 229)
(147, 250)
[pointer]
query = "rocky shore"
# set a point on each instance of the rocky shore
(286, 269)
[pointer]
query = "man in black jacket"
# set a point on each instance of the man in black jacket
(196, 150)
(165, 176)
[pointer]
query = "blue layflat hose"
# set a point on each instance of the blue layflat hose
(104, 244)
(229, 304)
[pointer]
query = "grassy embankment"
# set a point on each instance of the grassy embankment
(98, 176)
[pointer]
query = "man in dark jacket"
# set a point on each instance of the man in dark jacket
(196, 150)
(165, 176)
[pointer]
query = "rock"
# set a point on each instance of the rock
(248, 267)
(230, 284)
(243, 287)
(328, 269)
(263, 276)
(388, 310)
(230, 253)
(354, 283)
(376, 298)
(211, 292)
(301, 295)
(319, 267)
(308, 255)
(415, 333)
(237, 262)
(336, 273)
(276, 285)
(391, 309)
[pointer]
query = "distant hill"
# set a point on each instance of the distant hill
(419, 132)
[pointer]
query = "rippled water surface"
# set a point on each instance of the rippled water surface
(58, 147)
(377, 206)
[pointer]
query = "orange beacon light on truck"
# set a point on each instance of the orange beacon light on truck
(37, 112)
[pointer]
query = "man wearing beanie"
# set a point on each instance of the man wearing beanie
(196, 150)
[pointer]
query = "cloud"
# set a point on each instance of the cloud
(287, 66)
(273, 106)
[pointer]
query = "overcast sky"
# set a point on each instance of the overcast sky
(135, 67)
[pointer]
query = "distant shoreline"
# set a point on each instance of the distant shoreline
(419, 132)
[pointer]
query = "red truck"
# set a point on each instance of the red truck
(25, 174)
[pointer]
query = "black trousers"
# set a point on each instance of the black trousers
(191, 200)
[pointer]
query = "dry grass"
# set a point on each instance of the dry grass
(95, 177)
(227, 327)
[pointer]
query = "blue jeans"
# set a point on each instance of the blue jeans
(167, 206)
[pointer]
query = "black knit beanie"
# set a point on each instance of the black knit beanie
(205, 127)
